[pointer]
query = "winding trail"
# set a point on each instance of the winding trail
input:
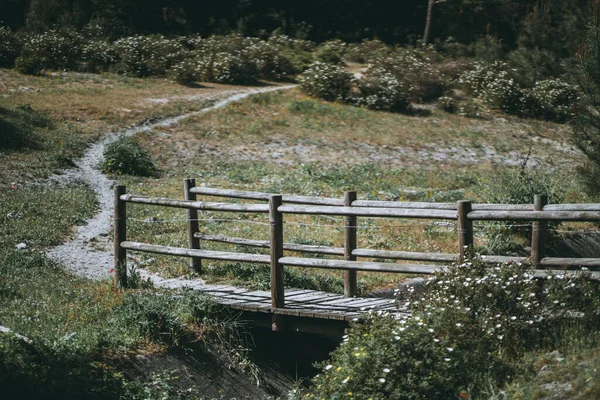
(87, 252)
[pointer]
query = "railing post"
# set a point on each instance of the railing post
(465, 228)
(349, 246)
(120, 226)
(538, 231)
(276, 252)
(192, 223)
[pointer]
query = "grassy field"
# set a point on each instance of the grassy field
(282, 143)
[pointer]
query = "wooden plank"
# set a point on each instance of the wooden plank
(120, 236)
(276, 253)
(534, 215)
(541, 273)
(440, 206)
(198, 205)
(573, 207)
(502, 259)
(239, 194)
(265, 244)
(406, 255)
(192, 224)
(369, 212)
(465, 228)
(362, 265)
(570, 262)
(350, 285)
(212, 255)
(538, 231)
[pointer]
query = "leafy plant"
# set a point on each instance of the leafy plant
(380, 90)
(326, 81)
(126, 156)
(469, 329)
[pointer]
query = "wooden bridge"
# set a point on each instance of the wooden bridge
(314, 311)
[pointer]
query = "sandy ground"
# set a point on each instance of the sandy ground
(88, 253)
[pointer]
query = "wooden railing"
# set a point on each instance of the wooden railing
(463, 212)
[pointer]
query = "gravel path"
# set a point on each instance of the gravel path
(89, 253)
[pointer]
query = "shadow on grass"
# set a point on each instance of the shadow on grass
(17, 128)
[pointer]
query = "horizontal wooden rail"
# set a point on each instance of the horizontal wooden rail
(198, 205)
(439, 206)
(336, 251)
(397, 255)
(368, 212)
(534, 215)
(361, 265)
(572, 207)
(570, 262)
(239, 194)
(208, 254)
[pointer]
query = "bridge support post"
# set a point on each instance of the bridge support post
(539, 231)
(120, 228)
(465, 228)
(349, 246)
(192, 223)
(276, 253)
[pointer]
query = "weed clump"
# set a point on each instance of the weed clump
(126, 156)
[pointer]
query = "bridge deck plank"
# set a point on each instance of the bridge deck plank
(298, 302)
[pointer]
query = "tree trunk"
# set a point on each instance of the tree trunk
(428, 22)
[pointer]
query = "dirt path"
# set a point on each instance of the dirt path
(83, 253)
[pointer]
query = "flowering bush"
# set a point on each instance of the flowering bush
(148, 55)
(447, 104)
(366, 51)
(98, 56)
(331, 51)
(327, 81)
(495, 84)
(463, 334)
(380, 90)
(9, 47)
(415, 69)
(49, 50)
(553, 99)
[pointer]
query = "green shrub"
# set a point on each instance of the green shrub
(415, 70)
(366, 51)
(495, 84)
(147, 55)
(126, 156)
(331, 52)
(9, 47)
(553, 100)
(467, 331)
(532, 65)
(326, 81)
(447, 104)
(380, 90)
(98, 56)
(49, 50)
(233, 68)
(298, 52)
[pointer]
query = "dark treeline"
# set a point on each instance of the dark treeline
(351, 20)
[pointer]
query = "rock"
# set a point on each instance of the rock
(21, 246)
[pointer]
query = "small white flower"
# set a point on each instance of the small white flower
(381, 380)
(446, 359)
(449, 349)
(328, 367)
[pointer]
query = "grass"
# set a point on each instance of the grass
(279, 142)
(287, 143)
(29, 214)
